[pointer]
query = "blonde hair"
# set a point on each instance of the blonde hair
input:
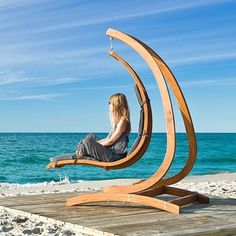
(119, 109)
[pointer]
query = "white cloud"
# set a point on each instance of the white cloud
(20, 79)
(18, 3)
(211, 82)
(48, 97)
(106, 87)
(114, 15)
(203, 58)
(205, 82)
(117, 15)
(7, 77)
(14, 55)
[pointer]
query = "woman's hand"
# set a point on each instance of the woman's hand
(102, 141)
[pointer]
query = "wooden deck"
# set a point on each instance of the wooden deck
(216, 218)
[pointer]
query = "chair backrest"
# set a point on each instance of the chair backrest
(141, 119)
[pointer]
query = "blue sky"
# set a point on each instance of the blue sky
(55, 74)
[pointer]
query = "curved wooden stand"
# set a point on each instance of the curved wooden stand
(144, 192)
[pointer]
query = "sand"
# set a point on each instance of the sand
(14, 222)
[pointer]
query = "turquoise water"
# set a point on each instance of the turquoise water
(24, 157)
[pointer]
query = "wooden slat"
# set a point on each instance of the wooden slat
(131, 219)
(185, 200)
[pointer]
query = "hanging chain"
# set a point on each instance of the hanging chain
(111, 47)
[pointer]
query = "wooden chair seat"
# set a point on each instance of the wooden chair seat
(144, 134)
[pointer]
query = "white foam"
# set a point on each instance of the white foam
(223, 185)
(12, 189)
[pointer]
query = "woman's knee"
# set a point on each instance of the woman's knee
(91, 137)
(87, 139)
(90, 140)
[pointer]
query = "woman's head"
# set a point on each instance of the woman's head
(119, 108)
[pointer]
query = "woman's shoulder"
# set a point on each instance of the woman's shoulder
(123, 123)
(123, 120)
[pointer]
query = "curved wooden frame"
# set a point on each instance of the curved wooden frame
(144, 192)
(142, 146)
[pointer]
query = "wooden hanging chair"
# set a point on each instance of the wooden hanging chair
(144, 135)
(145, 192)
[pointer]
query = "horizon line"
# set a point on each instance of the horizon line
(98, 132)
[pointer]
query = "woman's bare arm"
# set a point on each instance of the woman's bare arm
(100, 140)
(121, 127)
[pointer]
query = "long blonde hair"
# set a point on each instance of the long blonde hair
(119, 109)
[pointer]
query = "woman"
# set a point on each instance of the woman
(114, 146)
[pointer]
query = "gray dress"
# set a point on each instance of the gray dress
(92, 150)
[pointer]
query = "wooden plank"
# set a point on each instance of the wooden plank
(185, 200)
(86, 211)
(132, 219)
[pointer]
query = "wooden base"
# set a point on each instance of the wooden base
(144, 198)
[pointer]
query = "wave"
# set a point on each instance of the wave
(62, 181)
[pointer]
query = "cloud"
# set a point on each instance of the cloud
(8, 3)
(117, 15)
(211, 82)
(57, 81)
(106, 87)
(48, 97)
(150, 86)
(203, 58)
(19, 77)
(15, 55)
(19, 3)
(205, 82)
(7, 78)
(18, 86)
(41, 51)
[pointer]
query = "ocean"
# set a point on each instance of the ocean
(24, 157)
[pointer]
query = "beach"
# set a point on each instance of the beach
(14, 222)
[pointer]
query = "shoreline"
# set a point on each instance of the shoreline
(17, 222)
(221, 184)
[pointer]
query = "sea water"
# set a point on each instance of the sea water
(24, 156)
